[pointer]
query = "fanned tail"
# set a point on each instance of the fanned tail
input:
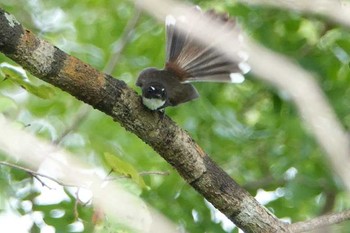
(192, 61)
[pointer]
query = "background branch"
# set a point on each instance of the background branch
(35, 174)
(120, 44)
(336, 11)
(319, 222)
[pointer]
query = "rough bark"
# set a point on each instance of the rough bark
(117, 100)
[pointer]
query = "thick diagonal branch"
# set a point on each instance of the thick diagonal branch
(114, 98)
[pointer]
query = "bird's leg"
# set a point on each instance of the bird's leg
(161, 113)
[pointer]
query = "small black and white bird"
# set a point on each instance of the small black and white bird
(188, 60)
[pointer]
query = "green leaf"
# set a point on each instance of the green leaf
(16, 73)
(7, 104)
(124, 168)
(18, 76)
(42, 91)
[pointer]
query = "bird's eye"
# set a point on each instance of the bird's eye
(151, 89)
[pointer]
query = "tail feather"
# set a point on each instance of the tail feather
(193, 61)
(202, 59)
(212, 66)
(175, 39)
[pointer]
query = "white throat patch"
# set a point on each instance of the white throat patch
(153, 104)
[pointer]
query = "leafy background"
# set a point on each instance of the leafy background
(251, 130)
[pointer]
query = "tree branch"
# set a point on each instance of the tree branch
(337, 11)
(114, 98)
(36, 174)
(319, 222)
(123, 41)
(79, 118)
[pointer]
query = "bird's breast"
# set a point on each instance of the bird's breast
(152, 103)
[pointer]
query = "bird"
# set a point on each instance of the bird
(189, 60)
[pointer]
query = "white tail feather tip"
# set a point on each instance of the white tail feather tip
(198, 8)
(170, 20)
(244, 67)
(237, 78)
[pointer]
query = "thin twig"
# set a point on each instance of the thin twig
(40, 180)
(78, 119)
(84, 111)
(36, 174)
(146, 173)
(76, 203)
(319, 222)
(123, 41)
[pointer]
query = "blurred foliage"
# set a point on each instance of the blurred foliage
(251, 130)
